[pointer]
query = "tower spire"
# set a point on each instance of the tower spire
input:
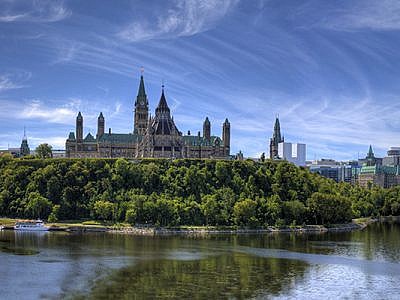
(141, 108)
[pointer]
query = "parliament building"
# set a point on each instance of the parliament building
(155, 136)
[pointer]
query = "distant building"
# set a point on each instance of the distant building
(58, 153)
(156, 136)
(294, 153)
(392, 158)
(374, 173)
(275, 140)
(383, 176)
(23, 150)
(338, 171)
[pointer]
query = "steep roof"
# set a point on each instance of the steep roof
(71, 136)
(141, 96)
(89, 138)
(162, 104)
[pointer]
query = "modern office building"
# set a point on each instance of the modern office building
(294, 153)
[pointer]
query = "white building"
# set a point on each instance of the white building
(294, 153)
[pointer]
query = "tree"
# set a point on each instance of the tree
(103, 210)
(262, 158)
(245, 213)
(37, 206)
(44, 151)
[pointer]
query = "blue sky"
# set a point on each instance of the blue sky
(330, 69)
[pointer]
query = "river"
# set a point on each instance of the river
(58, 265)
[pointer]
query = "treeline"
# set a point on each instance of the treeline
(183, 192)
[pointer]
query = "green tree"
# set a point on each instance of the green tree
(244, 213)
(37, 206)
(44, 151)
(103, 210)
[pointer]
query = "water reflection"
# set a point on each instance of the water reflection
(103, 266)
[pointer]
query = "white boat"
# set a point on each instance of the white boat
(37, 225)
(1, 227)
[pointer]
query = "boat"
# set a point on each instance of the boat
(37, 225)
(1, 227)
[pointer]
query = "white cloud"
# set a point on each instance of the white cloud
(57, 142)
(33, 11)
(186, 18)
(14, 80)
(38, 110)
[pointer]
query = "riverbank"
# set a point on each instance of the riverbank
(94, 226)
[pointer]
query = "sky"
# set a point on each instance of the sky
(329, 69)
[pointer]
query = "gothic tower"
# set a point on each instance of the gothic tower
(100, 125)
(226, 136)
(275, 140)
(79, 128)
(207, 129)
(24, 150)
(141, 110)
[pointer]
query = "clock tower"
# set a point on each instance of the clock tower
(141, 110)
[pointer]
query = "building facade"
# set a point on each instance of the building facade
(152, 136)
(294, 153)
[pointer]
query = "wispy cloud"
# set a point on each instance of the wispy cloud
(185, 18)
(14, 80)
(351, 15)
(33, 11)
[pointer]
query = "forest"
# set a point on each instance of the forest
(188, 192)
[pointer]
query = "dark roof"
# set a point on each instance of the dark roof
(194, 140)
(89, 138)
(119, 138)
(141, 96)
(162, 104)
(71, 136)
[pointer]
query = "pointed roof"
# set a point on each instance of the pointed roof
(89, 138)
(226, 121)
(162, 104)
(141, 92)
(101, 116)
(277, 132)
(141, 98)
(370, 152)
(79, 116)
(207, 121)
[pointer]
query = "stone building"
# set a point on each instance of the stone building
(156, 136)
(374, 173)
(275, 140)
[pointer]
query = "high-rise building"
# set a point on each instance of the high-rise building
(294, 153)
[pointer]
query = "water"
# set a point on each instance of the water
(355, 265)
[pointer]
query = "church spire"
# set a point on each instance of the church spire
(162, 104)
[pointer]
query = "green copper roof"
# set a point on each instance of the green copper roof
(89, 138)
(141, 98)
(194, 140)
(71, 136)
(393, 170)
(120, 138)
(370, 152)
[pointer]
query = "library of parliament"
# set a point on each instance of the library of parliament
(156, 136)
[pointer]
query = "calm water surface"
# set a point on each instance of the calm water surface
(357, 265)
